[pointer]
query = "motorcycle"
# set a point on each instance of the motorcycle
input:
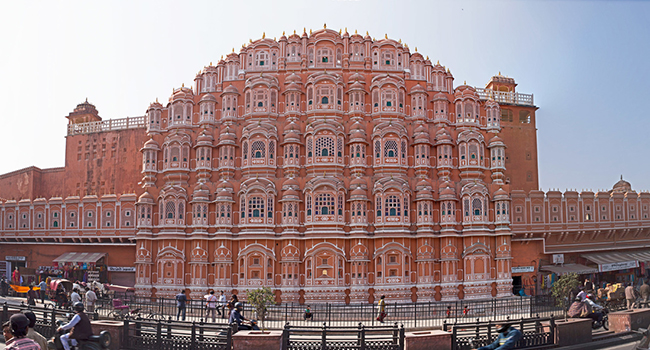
(604, 322)
(95, 342)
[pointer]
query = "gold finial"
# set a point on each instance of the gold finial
(210, 63)
(274, 39)
(310, 31)
(427, 58)
(156, 99)
(438, 63)
(448, 70)
(400, 40)
(294, 31)
(386, 36)
(183, 85)
(263, 35)
(283, 32)
(355, 32)
(304, 30)
(416, 49)
(346, 29)
(373, 39)
(367, 33)
(464, 82)
(221, 57)
(499, 73)
(233, 49)
(340, 32)
(324, 25)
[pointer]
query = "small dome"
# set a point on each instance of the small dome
(293, 78)
(418, 88)
(208, 98)
(500, 194)
(146, 197)
(155, 105)
(204, 139)
(290, 194)
(622, 186)
(151, 144)
(442, 136)
(290, 183)
(230, 90)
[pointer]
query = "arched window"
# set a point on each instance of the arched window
(258, 149)
(324, 100)
(170, 210)
(390, 149)
(324, 146)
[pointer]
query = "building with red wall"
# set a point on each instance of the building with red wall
(327, 166)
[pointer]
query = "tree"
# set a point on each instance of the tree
(561, 290)
(260, 299)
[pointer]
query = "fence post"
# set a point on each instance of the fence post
(329, 314)
(362, 337)
(159, 334)
(201, 329)
(286, 309)
(138, 328)
(53, 321)
(193, 336)
(415, 315)
(229, 338)
(552, 326)
(453, 337)
(5, 312)
(323, 344)
(530, 303)
(401, 337)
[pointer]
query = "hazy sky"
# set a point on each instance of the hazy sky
(586, 62)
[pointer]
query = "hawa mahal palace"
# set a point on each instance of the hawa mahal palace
(327, 166)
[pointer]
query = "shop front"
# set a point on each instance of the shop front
(620, 266)
(84, 267)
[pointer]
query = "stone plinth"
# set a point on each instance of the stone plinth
(572, 331)
(427, 340)
(258, 340)
(114, 328)
(629, 320)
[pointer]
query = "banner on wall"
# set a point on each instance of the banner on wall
(523, 269)
(618, 266)
(121, 269)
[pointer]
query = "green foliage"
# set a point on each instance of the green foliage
(260, 299)
(561, 290)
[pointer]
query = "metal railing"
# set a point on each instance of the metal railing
(46, 317)
(360, 337)
(418, 315)
(505, 97)
(535, 332)
(107, 125)
(165, 335)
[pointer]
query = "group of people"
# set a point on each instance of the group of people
(214, 305)
(19, 331)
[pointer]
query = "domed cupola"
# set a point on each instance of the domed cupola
(200, 201)
(145, 208)
(154, 117)
(207, 108)
(497, 159)
(424, 205)
(422, 149)
(223, 205)
(290, 203)
(358, 204)
(291, 147)
(501, 206)
(358, 145)
(149, 162)
(226, 149)
(204, 145)
(622, 186)
(447, 197)
(180, 108)
(229, 98)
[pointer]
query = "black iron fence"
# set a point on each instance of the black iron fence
(412, 315)
(168, 335)
(536, 332)
(46, 317)
(360, 337)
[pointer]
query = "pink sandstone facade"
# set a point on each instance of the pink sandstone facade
(328, 167)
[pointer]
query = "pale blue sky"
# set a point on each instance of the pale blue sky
(586, 62)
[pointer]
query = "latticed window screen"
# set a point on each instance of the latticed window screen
(324, 146)
(245, 150)
(181, 210)
(271, 149)
(324, 204)
(308, 205)
(403, 149)
(377, 149)
(255, 207)
(393, 206)
(170, 210)
(339, 146)
(258, 149)
(476, 206)
(466, 206)
(390, 149)
(242, 206)
(340, 204)
(309, 147)
(406, 205)
(270, 206)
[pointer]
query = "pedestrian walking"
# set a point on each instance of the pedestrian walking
(448, 311)
(31, 296)
(181, 301)
(4, 286)
(645, 293)
(43, 287)
(381, 309)
(91, 298)
(231, 304)
(465, 311)
(629, 296)
(211, 305)
(75, 297)
(222, 305)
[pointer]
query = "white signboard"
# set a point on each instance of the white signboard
(15, 258)
(558, 258)
(121, 269)
(618, 266)
(522, 269)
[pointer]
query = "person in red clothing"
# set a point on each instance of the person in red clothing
(15, 277)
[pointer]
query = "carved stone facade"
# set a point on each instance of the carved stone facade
(328, 167)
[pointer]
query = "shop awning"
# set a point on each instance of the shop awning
(79, 257)
(616, 260)
(569, 268)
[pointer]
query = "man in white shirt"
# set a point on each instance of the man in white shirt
(222, 305)
(91, 298)
(75, 297)
(211, 305)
